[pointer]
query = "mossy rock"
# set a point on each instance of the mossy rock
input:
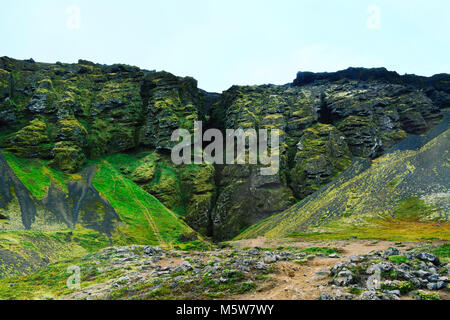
(167, 191)
(144, 173)
(32, 141)
(67, 157)
(72, 130)
(322, 153)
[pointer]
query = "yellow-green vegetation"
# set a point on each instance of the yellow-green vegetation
(399, 259)
(443, 252)
(428, 296)
(51, 282)
(412, 209)
(322, 155)
(403, 286)
(36, 175)
(30, 250)
(68, 156)
(382, 230)
(388, 200)
(316, 250)
(145, 219)
(31, 141)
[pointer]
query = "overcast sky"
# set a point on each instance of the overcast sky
(221, 43)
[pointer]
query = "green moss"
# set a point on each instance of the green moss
(356, 291)
(324, 250)
(427, 296)
(443, 252)
(412, 209)
(68, 157)
(147, 220)
(36, 175)
(399, 259)
(144, 173)
(301, 261)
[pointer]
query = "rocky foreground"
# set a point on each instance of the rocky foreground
(388, 275)
(305, 270)
(326, 273)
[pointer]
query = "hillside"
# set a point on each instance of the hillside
(401, 195)
(86, 174)
(68, 119)
(47, 215)
(73, 115)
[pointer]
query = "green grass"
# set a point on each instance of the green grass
(51, 245)
(36, 175)
(443, 251)
(147, 220)
(399, 259)
(428, 296)
(412, 209)
(316, 250)
(51, 282)
(381, 230)
(403, 286)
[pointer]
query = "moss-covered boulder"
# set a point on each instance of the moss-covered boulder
(71, 130)
(44, 98)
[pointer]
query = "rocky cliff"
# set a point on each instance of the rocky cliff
(71, 115)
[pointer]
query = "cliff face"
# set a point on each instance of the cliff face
(69, 115)
(326, 120)
(404, 192)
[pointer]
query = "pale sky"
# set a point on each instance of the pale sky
(226, 42)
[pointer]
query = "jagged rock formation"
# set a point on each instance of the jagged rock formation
(325, 121)
(69, 114)
(408, 185)
(11, 187)
(82, 205)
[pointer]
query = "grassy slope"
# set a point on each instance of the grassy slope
(50, 283)
(147, 220)
(144, 219)
(384, 202)
(36, 175)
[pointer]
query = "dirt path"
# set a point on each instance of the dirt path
(294, 281)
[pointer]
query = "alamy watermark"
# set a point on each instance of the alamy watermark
(74, 281)
(73, 21)
(230, 149)
(374, 281)
(374, 20)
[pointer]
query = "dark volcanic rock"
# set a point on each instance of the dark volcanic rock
(71, 113)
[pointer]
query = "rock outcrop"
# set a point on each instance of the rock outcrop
(69, 114)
